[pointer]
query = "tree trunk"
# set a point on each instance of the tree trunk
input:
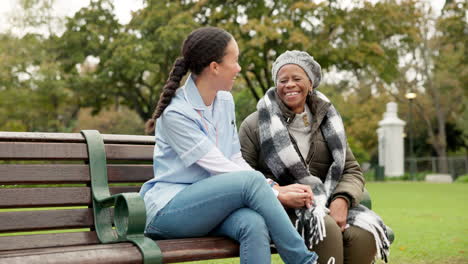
(441, 145)
(442, 159)
(251, 86)
(439, 138)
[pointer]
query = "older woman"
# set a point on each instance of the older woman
(296, 137)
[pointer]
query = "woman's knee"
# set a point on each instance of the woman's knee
(332, 244)
(253, 176)
(257, 179)
(250, 178)
(357, 237)
(359, 245)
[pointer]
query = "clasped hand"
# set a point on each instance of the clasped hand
(295, 195)
(300, 195)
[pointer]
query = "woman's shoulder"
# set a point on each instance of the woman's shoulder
(248, 132)
(250, 122)
(252, 118)
(179, 108)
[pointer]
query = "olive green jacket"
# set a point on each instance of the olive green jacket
(319, 157)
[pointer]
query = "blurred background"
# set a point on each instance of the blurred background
(67, 65)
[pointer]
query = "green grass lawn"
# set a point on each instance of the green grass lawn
(429, 221)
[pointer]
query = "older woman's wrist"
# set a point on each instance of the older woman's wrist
(344, 197)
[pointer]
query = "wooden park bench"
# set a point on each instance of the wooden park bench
(56, 204)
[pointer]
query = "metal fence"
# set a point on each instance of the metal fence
(456, 165)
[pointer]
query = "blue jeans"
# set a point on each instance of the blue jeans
(239, 205)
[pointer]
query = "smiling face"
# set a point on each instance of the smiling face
(292, 87)
(229, 66)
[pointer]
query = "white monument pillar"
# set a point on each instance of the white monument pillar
(391, 144)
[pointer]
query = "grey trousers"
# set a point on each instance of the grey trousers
(353, 246)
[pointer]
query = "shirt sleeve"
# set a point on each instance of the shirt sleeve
(216, 163)
(239, 160)
(185, 136)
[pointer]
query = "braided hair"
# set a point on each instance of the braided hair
(199, 49)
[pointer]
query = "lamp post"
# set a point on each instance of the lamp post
(411, 96)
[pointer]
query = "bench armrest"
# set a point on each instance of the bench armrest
(366, 199)
(129, 208)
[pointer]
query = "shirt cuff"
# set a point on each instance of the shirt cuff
(196, 152)
(272, 183)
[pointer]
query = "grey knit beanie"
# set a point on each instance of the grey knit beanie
(301, 59)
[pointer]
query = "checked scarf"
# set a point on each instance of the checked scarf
(285, 163)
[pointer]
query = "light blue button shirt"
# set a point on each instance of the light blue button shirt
(185, 132)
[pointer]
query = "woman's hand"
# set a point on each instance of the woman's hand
(295, 195)
(339, 212)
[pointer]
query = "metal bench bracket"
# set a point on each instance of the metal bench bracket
(129, 208)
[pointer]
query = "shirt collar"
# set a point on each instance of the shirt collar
(192, 95)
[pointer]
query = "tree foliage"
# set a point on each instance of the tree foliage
(34, 97)
(367, 51)
(439, 65)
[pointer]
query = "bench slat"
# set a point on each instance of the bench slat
(102, 254)
(129, 152)
(47, 240)
(73, 137)
(58, 196)
(71, 151)
(69, 173)
(174, 250)
(47, 219)
(191, 249)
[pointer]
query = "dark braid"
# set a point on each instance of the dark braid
(199, 49)
(178, 71)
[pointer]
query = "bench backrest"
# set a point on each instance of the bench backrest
(45, 185)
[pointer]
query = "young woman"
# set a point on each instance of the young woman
(201, 183)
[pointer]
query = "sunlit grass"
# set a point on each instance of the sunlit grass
(429, 221)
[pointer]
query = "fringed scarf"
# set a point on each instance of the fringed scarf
(285, 163)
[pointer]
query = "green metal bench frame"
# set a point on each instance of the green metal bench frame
(129, 208)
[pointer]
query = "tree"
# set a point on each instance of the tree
(140, 59)
(33, 94)
(358, 39)
(35, 16)
(134, 59)
(439, 65)
(89, 33)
